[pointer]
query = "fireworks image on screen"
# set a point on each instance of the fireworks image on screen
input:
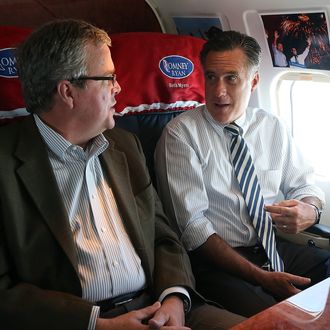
(305, 26)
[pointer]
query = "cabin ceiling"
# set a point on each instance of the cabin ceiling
(111, 15)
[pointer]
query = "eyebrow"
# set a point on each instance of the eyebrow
(224, 73)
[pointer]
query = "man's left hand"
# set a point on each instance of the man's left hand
(170, 314)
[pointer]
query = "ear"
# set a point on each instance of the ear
(65, 92)
(255, 81)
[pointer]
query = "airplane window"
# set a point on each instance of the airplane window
(303, 103)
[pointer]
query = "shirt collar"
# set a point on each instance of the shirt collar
(59, 145)
(241, 121)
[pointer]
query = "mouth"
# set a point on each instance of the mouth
(112, 106)
(221, 105)
(221, 102)
(115, 113)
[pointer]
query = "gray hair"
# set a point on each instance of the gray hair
(220, 41)
(55, 52)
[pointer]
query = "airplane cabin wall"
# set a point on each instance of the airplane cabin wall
(112, 15)
(241, 16)
(244, 16)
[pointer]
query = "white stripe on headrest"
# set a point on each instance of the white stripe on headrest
(178, 105)
(13, 113)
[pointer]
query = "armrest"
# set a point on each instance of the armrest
(318, 229)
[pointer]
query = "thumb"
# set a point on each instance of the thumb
(158, 320)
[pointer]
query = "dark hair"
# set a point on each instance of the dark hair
(220, 41)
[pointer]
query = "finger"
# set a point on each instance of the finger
(280, 207)
(278, 211)
(283, 227)
(170, 327)
(161, 321)
(281, 213)
(287, 203)
(282, 223)
(299, 280)
(273, 209)
(149, 311)
(279, 221)
(158, 320)
(293, 290)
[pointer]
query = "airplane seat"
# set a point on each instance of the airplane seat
(148, 127)
(160, 77)
(317, 235)
(12, 105)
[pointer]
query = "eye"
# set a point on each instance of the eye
(232, 78)
(210, 77)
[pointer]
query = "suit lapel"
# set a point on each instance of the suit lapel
(115, 166)
(38, 178)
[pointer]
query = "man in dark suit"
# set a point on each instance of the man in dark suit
(84, 243)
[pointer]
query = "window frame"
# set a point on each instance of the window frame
(288, 116)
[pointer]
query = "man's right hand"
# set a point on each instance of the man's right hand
(281, 285)
(134, 320)
(218, 252)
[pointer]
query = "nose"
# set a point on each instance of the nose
(116, 88)
(220, 89)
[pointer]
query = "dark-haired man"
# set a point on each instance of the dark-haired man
(220, 167)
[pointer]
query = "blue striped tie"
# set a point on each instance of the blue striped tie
(248, 181)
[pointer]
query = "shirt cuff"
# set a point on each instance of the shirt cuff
(177, 290)
(92, 319)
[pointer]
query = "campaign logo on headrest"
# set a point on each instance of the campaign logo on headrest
(8, 63)
(176, 67)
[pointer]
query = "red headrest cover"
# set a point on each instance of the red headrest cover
(157, 72)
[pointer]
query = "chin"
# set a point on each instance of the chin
(110, 120)
(220, 118)
(111, 124)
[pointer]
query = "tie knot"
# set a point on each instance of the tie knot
(233, 129)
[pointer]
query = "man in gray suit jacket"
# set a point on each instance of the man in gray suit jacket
(84, 243)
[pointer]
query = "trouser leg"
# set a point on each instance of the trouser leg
(208, 317)
(233, 293)
(201, 317)
(246, 299)
(305, 261)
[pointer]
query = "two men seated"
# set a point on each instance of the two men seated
(83, 236)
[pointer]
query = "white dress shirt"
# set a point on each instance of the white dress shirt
(279, 57)
(108, 264)
(300, 58)
(198, 186)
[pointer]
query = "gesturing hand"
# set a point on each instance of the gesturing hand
(291, 216)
